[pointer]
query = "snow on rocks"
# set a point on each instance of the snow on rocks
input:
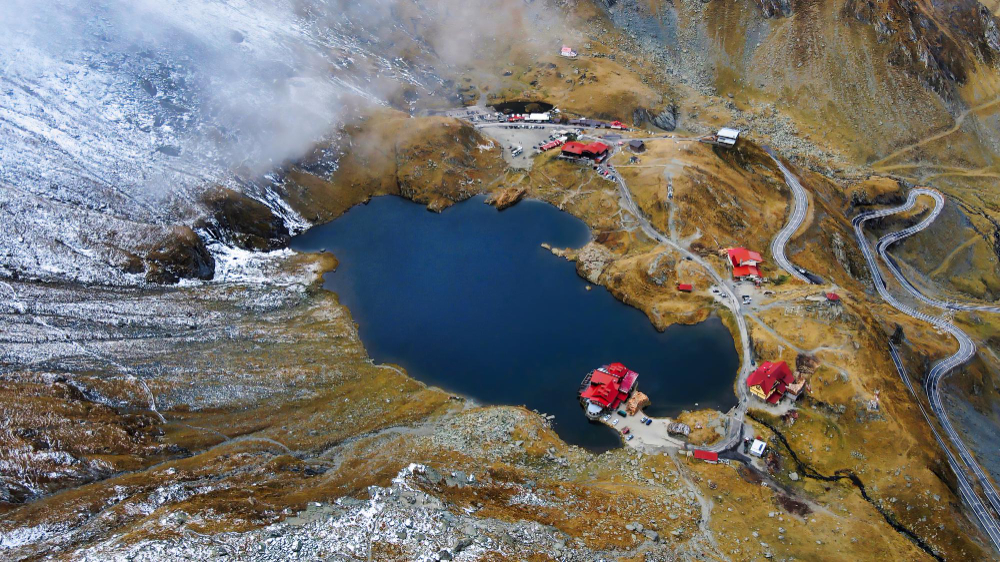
(415, 523)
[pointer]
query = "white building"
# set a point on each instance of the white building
(757, 448)
(727, 136)
(568, 52)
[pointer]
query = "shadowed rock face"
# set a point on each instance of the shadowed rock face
(181, 255)
(938, 42)
(244, 222)
(665, 118)
(775, 8)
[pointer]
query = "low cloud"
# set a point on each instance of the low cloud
(134, 98)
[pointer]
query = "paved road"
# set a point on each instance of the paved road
(966, 349)
(734, 432)
(800, 206)
(883, 244)
(965, 486)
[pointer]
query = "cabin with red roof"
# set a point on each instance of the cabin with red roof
(552, 144)
(685, 287)
(746, 273)
(744, 263)
(595, 151)
(742, 257)
(606, 388)
(833, 298)
(770, 381)
(707, 456)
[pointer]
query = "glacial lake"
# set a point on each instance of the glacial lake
(469, 301)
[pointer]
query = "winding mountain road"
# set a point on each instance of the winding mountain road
(966, 349)
(800, 206)
(734, 432)
(882, 246)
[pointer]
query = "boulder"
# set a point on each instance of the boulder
(592, 260)
(506, 197)
(636, 402)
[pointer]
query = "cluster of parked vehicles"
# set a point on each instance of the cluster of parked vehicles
(626, 431)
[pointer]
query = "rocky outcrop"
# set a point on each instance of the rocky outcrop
(243, 221)
(636, 402)
(665, 118)
(876, 191)
(506, 197)
(592, 260)
(919, 44)
(775, 8)
(180, 255)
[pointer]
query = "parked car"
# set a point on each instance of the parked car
(629, 437)
(643, 420)
(622, 413)
(648, 421)
(614, 422)
(625, 430)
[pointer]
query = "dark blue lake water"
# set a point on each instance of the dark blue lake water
(468, 300)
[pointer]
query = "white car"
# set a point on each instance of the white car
(614, 422)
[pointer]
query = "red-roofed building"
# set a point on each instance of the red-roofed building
(742, 257)
(833, 297)
(552, 144)
(770, 381)
(596, 151)
(573, 149)
(685, 287)
(707, 456)
(606, 388)
(743, 272)
(744, 264)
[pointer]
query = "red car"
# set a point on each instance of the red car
(625, 431)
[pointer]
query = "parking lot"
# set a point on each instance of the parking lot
(525, 136)
(652, 435)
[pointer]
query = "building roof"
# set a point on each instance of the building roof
(739, 256)
(772, 378)
(728, 133)
(610, 385)
(706, 455)
(636, 143)
(684, 287)
(577, 148)
(628, 381)
(604, 393)
(617, 369)
(834, 297)
(746, 271)
(757, 447)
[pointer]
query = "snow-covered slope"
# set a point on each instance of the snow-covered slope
(115, 115)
